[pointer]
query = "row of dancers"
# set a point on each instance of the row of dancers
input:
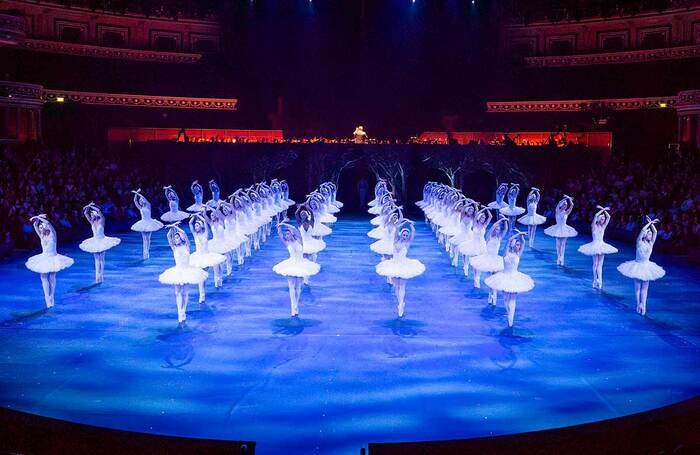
(394, 235)
(238, 225)
(460, 225)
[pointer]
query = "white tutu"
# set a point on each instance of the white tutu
(209, 259)
(376, 221)
(95, 245)
(561, 231)
(405, 268)
(333, 209)
(196, 208)
(532, 220)
(473, 247)
(462, 236)
(450, 230)
(597, 247)
(383, 246)
(321, 230)
(147, 226)
(328, 218)
(515, 211)
(641, 270)
(183, 275)
(221, 246)
(297, 267)
(513, 282)
(487, 262)
(375, 210)
(313, 246)
(171, 217)
(45, 263)
(377, 233)
(497, 205)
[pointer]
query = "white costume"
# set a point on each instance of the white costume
(198, 193)
(490, 261)
(174, 213)
(99, 243)
(597, 249)
(562, 231)
(202, 258)
(146, 225)
(296, 267)
(532, 219)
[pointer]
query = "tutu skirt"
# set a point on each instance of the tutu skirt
(147, 226)
(487, 262)
(644, 271)
(496, 205)
(196, 208)
(462, 236)
(514, 282)
(321, 230)
(561, 231)
(473, 247)
(404, 268)
(450, 230)
(377, 233)
(313, 246)
(532, 220)
(594, 248)
(221, 246)
(376, 221)
(209, 259)
(515, 211)
(296, 267)
(383, 246)
(183, 275)
(171, 217)
(95, 245)
(48, 263)
(375, 210)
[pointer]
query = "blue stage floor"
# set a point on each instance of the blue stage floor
(347, 372)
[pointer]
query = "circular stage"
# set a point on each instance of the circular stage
(347, 372)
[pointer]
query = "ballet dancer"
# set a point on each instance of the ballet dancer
(48, 262)
(401, 268)
(597, 248)
(202, 258)
(490, 261)
(198, 193)
(466, 230)
(296, 267)
(512, 210)
(234, 238)
(501, 191)
(510, 281)
(146, 225)
(182, 273)
(215, 194)
(98, 244)
(642, 270)
(475, 244)
(532, 219)
(305, 222)
(285, 193)
(174, 213)
(562, 231)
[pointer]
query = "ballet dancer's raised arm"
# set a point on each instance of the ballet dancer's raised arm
(504, 230)
(569, 204)
(518, 235)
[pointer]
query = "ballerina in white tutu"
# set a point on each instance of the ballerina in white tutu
(202, 258)
(562, 231)
(99, 243)
(296, 267)
(512, 210)
(490, 261)
(501, 191)
(305, 222)
(146, 225)
(215, 194)
(466, 223)
(285, 193)
(597, 249)
(49, 261)
(510, 281)
(642, 270)
(198, 193)
(400, 268)
(532, 219)
(475, 244)
(182, 273)
(174, 213)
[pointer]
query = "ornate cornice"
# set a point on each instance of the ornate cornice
(688, 100)
(608, 58)
(88, 50)
(615, 104)
(20, 94)
(118, 99)
(12, 29)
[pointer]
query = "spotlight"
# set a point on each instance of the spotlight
(60, 99)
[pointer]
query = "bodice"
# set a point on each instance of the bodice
(305, 234)
(145, 212)
(597, 232)
(561, 216)
(493, 245)
(198, 199)
(400, 251)
(478, 231)
(182, 255)
(218, 230)
(48, 244)
(644, 251)
(296, 250)
(98, 229)
(174, 206)
(510, 262)
(201, 242)
(532, 208)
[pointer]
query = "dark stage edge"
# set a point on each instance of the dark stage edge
(347, 372)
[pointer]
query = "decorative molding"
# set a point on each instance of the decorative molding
(609, 58)
(118, 99)
(615, 104)
(21, 94)
(13, 29)
(89, 50)
(688, 101)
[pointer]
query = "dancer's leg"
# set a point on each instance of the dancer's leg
(493, 294)
(595, 270)
(291, 283)
(466, 265)
(638, 294)
(52, 287)
(563, 250)
(202, 292)
(46, 286)
(146, 237)
(643, 296)
(99, 267)
(181, 300)
(601, 259)
(477, 278)
(531, 232)
(239, 254)
(229, 264)
(297, 292)
(509, 299)
(401, 295)
(218, 281)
